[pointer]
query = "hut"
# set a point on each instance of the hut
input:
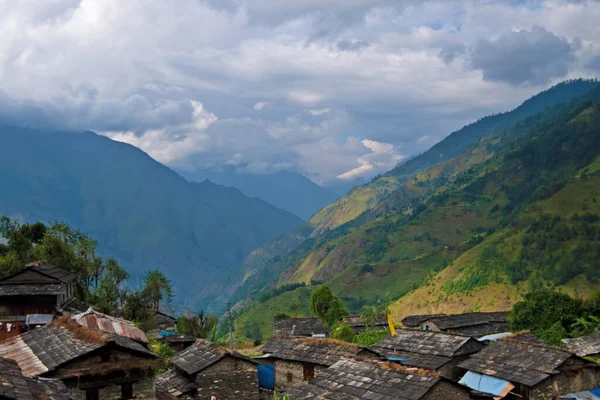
(306, 327)
(204, 370)
(92, 364)
(585, 346)
(350, 379)
(363, 323)
(177, 341)
(437, 351)
(15, 386)
(475, 324)
(38, 290)
(528, 371)
(109, 324)
(299, 360)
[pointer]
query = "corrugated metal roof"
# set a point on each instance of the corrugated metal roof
(109, 324)
(16, 349)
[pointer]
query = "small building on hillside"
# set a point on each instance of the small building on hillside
(468, 324)
(178, 341)
(204, 370)
(15, 386)
(160, 320)
(37, 289)
(528, 371)
(436, 351)
(302, 327)
(350, 379)
(92, 364)
(299, 360)
(585, 346)
(363, 323)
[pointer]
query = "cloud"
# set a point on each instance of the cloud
(264, 86)
(534, 57)
(259, 106)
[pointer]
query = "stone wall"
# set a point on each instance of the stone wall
(230, 378)
(142, 389)
(572, 379)
(291, 373)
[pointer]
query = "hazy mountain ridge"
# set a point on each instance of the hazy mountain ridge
(140, 211)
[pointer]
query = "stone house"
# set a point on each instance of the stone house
(299, 360)
(362, 323)
(585, 346)
(436, 351)
(177, 341)
(92, 364)
(350, 379)
(527, 371)
(475, 324)
(38, 289)
(15, 386)
(307, 327)
(204, 370)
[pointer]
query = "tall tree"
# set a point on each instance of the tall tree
(326, 306)
(157, 289)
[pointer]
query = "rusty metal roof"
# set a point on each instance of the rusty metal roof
(109, 324)
(13, 385)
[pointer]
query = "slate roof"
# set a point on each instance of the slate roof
(360, 323)
(584, 346)
(31, 289)
(298, 327)
(174, 383)
(352, 379)
(416, 320)
(109, 324)
(202, 355)
(44, 349)
(52, 271)
(178, 338)
(454, 321)
(315, 351)
(74, 306)
(518, 362)
(13, 385)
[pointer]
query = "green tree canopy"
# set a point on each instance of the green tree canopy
(157, 288)
(326, 306)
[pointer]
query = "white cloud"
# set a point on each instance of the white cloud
(383, 156)
(319, 111)
(259, 106)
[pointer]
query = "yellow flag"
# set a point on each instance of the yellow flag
(391, 325)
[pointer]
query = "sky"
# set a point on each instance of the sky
(335, 90)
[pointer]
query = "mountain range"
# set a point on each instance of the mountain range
(138, 210)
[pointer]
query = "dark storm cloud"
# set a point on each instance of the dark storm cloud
(533, 57)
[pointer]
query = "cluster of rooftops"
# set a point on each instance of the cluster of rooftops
(462, 356)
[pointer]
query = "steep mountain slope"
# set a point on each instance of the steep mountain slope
(484, 214)
(366, 196)
(286, 190)
(141, 212)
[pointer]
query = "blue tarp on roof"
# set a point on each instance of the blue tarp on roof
(593, 394)
(484, 383)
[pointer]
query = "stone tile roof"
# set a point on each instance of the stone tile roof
(315, 351)
(177, 338)
(109, 324)
(31, 289)
(480, 330)
(299, 327)
(360, 323)
(202, 355)
(352, 379)
(174, 383)
(584, 346)
(440, 347)
(518, 362)
(73, 306)
(454, 321)
(52, 271)
(13, 385)
(416, 320)
(45, 349)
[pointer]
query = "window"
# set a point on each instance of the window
(127, 391)
(290, 377)
(92, 394)
(309, 372)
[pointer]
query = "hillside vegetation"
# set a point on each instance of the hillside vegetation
(474, 232)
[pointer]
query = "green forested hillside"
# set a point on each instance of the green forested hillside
(138, 210)
(483, 219)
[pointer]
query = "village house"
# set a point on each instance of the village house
(527, 371)
(299, 360)
(15, 386)
(92, 364)
(109, 324)
(177, 341)
(204, 370)
(363, 323)
(37, 290)
(160, 320)
(306, 327)
(436, 351)
(585, 346)
(350, 379)
(468, 324)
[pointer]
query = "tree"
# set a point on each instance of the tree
(199, 325)
(157, 289)
(326, 306)
(343, 332)
(111, 292)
